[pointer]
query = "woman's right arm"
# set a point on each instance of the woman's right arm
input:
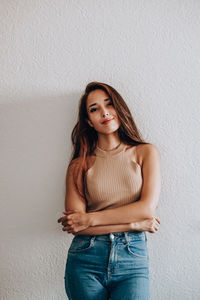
(74, 201)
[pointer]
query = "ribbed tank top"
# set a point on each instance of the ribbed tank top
(113, 180)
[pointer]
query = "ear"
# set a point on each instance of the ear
(89, 122)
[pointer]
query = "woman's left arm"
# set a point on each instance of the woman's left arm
(146, 206)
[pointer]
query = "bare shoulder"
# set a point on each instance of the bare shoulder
(145, 151)
(73, 167)
(140, 152)
(75, 163)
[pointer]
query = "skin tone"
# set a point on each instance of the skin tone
(100, 108)
(134, 216)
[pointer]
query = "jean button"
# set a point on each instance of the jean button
(112, 236)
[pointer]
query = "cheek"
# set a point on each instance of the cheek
(113, 111)
(116, 116)
(94, 119)
(118, 121)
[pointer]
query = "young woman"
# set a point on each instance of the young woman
(112, 191)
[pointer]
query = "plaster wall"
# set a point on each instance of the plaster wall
(150, 52)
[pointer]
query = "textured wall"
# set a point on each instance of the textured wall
(150, 52)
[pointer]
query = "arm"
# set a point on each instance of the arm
(150, 225)
(74, 201)
(138, 213)
(104, 229)
(146, 206)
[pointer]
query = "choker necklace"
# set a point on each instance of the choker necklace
(109, 149)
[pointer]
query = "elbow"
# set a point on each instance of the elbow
(148, 211)
(149, 208)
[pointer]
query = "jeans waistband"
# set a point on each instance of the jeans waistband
(116, 236)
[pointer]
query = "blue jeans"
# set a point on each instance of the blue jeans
(113, 266)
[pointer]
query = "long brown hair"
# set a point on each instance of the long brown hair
(84, 137)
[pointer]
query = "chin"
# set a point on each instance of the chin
(110, 130)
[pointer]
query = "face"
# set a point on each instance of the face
(101, 109)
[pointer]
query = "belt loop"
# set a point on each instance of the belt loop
(126, 237)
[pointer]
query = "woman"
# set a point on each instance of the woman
(112, 192)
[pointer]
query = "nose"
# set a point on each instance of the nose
(105, 114)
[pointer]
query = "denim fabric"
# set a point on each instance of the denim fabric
(113, 266)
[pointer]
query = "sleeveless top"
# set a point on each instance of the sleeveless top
(113, 180)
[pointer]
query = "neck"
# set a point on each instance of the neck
(108, 143)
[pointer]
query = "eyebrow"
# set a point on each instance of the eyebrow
(107, 99)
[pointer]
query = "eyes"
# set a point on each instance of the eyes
(94, 109)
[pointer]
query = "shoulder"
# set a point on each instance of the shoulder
(76, 163)
(74, 173)
(148, 152)
(146, 149)
(141, 152)
(73, 166)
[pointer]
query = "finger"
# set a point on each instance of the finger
(153, 229)
(67, 228)
(71, 219)
(156, 228)
(157, 223)
(66, 222)
(157, 219)
(60, 220)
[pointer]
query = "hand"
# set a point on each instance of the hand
(151, 225)
(74, 221)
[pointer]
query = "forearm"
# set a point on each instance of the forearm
(105, 229)
(133, 212)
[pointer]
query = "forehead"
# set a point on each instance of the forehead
(97, 95)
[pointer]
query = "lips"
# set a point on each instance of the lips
(107, 121)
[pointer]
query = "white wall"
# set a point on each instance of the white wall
(150, 52)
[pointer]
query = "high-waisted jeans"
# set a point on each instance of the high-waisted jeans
(113, 266)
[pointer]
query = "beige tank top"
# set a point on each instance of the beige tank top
(113, 180)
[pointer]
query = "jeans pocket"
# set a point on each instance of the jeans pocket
(138, 248)
(80, 244)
